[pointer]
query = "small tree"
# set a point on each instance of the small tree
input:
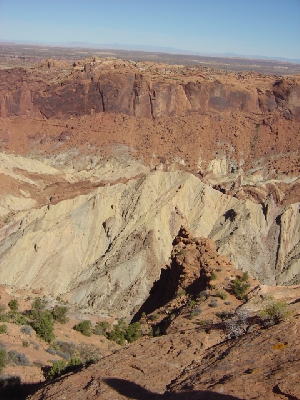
(274, 312)
(133, 332)
(101, 328)
(43, 325)
(240, 285)
(60, 314)
(84, 327)
(13, 305)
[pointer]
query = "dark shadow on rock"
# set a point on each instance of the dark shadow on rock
(11, 388)
(137, 392)
(162, 292)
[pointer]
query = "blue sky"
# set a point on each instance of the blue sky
(248, 27)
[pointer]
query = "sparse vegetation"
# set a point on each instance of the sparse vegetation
(123, 332)
(221, 294)
(17, 358)
(61, 367)
(3, 329)
(194, 313)
(3, 358)
(43, 324)
(13, 305)
(213, 303)
(240, 285)
(101, 328)
(60, 314)
(27, 330)
(274, 313)
(213, 276)
(84, 327)
(38, 304)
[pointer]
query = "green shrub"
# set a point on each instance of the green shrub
(240, 285)
(56, 370)
(213, 276)
(133, 332)
(117, 334)
(153, 317)
(3, 358)
(17, 318)
(61, 367)
(194, 313)
(101, 328)
(38, 304)
(123, 332)
(13, 305)
(3, 329)
(84, 327)
(275, 312)
(60, 314)
(43, 325)
(221, 294)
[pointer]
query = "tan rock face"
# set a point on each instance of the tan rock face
(104, 248)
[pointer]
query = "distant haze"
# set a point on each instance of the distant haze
(226, 28)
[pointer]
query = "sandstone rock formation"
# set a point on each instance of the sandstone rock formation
(198, 358)
(102, 244)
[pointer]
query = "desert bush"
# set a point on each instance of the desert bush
(84, 327)
(17, 318)
(39, 304)
(213, 303)
(221, 294)
(3, 358)
(213, 276)
(133, 332)
(68, 348)
(122, 332)
(18, 358)
(43, 325)
(25, 343)
(27, 330)
(101, 328)
(61, 367)
(56, 370)
(203, 295)
(240, 285)
(153, 317)
(60, 314)
(274, 313)
(117, 334)
(13, 305)
(195, 312)
(3, 329)
(192, 303)
(88, 353)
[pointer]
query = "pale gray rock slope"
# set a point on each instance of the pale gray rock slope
(104, 249)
